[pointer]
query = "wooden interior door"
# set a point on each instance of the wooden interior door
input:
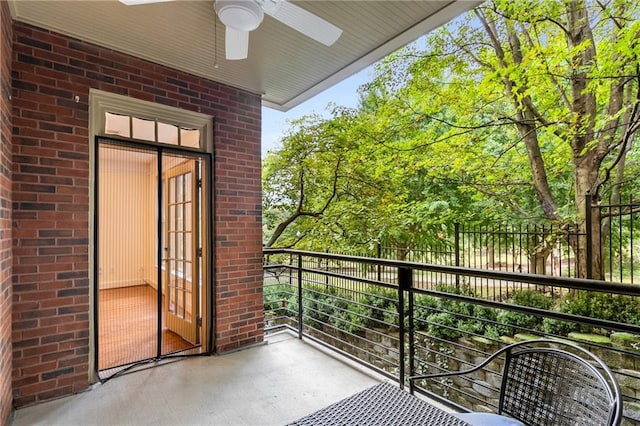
(181, 307)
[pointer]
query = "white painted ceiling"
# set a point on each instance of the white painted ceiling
(284, 66)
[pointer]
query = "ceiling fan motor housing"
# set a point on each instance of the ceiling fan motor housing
(242, 15)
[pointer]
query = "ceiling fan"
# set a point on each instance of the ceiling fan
(243, 16)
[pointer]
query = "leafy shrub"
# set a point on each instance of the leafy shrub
(423, 307)
(559, 327)
(383, 307)
(443, 326)
(482, 322)
(468, 327)
(335, 307)
(350, 317)
(618, 308)
(533, 299)
(451, 319)
(324, 305)
(485, 313)
(603, 306)
(455, 306)
(274, 296)
(510, 322)
(291, 306)
(317, 305)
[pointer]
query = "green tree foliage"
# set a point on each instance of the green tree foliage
(301, 181)
(537, 102)
(510, 113)
(338, 184)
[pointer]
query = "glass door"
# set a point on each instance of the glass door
(181, 305)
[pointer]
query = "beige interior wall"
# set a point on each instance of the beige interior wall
(126, 220)
(128, 202)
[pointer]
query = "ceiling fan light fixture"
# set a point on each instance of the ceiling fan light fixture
(242, 15)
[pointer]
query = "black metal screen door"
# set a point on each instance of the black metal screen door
(148, 254)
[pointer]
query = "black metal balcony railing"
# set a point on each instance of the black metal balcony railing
(402, 318)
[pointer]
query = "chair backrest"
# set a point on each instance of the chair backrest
(547, 385)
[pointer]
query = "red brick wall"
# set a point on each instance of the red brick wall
(5, 213)
(51, 201)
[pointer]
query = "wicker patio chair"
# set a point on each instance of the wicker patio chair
(547, 382)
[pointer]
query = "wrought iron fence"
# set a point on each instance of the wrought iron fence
(397, 326)
(620, 248)
(534, 249)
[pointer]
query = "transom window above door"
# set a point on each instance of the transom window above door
(112, 114)
(151, 130)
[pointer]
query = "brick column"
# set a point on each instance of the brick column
(5, 213)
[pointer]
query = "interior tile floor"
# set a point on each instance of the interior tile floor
(270, 384)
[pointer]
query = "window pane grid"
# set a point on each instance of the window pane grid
(180, 233)
(151, 130)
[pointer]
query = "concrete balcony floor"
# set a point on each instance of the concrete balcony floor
(270, 384)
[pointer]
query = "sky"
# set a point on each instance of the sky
(274, 123)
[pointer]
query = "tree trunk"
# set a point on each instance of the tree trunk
(538, 260)
(491, 257)
(586, 159)
(586, 179)
(402, 253)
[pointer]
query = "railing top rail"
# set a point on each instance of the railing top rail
(571, 283)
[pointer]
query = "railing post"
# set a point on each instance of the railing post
(326, 276)
(630, 240)
(300, 296)
(290, 271)
(412, 347)
(589, 234)
(456, 243)
(405, 278)
(379, 266)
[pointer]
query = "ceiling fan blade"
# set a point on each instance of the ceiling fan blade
(303, 21)
(236, 43)
(137, 2)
